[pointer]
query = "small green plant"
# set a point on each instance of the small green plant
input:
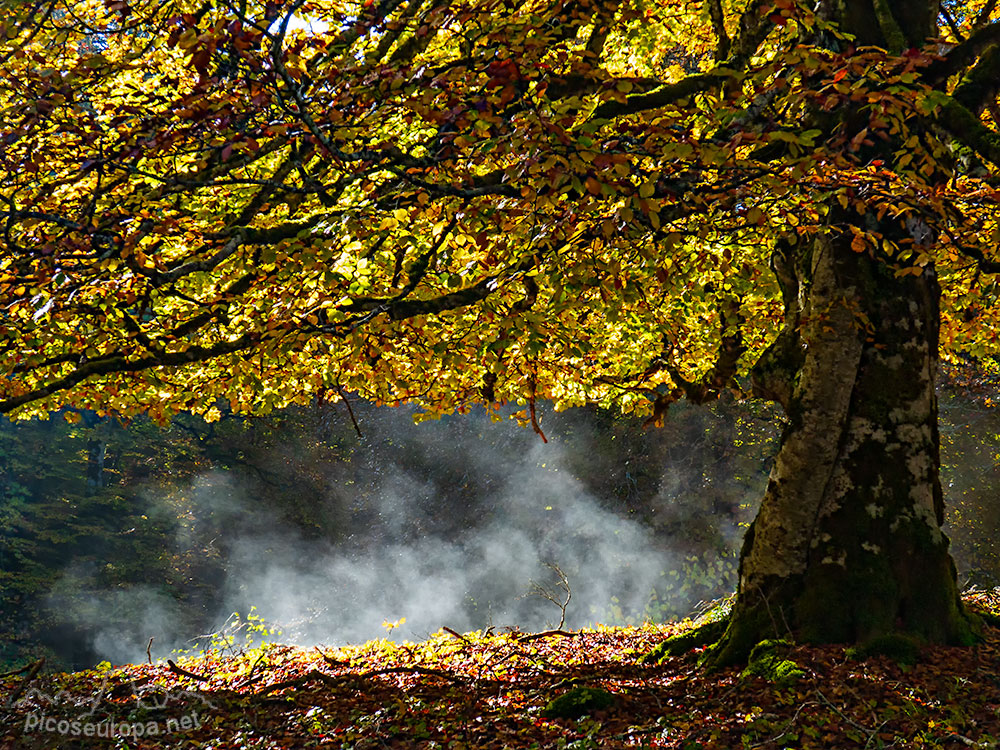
(238, 636)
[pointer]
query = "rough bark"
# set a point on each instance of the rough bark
(847, 545)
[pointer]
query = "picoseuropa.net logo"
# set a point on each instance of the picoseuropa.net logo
(161, 712)
(110, 728)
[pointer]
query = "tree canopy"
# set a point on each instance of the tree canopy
(448, 202)
(458, 202)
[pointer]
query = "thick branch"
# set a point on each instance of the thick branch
(980, 85)
(962, 55)
(984, 14)
(982, 262)
(967, 128)
(401, 309)
(755, 25)
(116, 363)
(394, 31)
(664, 96)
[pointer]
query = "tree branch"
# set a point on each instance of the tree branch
(961, 55)
(719, 26)
(755, 25)
(968, 129)
(117, 363)
(661, 97)
(982, 263)
(980, 85)
(950, 20)
(984, 14)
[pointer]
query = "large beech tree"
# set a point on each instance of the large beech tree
(207, 203)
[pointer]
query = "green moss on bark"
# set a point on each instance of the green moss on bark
(682, 643)
(754, 619)
(768, 661)
(902, 648)
(863, 552)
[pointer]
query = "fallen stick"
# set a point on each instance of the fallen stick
(330, 660)
(181, 671)
(13, 672)
(25, 682)
(413, 670)
(314, 674)
(546, 634)
(455, 634)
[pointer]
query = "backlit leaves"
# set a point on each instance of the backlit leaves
(413, 200)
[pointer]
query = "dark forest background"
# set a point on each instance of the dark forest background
(329, 519)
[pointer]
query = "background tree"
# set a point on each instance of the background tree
(591, 201)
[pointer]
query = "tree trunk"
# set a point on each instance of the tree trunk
(96, 453)
(848, 543)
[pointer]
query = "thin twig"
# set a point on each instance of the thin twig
(868, 732)
(788, 725)
(149, 657)
(969, 742)
(250, 679)
(562, 584)
(350, 411)
(639, 731)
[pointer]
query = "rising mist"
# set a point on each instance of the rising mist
(461, 523)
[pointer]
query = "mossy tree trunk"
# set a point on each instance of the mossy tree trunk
(848, 543)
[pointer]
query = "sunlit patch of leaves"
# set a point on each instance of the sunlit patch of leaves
(489, 689)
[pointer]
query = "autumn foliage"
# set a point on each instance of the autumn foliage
(492, 690)
(453, 203)
(214, 205)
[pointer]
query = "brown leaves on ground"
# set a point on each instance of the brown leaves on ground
(487, 690)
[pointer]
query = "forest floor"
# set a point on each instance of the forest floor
(490, 690)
